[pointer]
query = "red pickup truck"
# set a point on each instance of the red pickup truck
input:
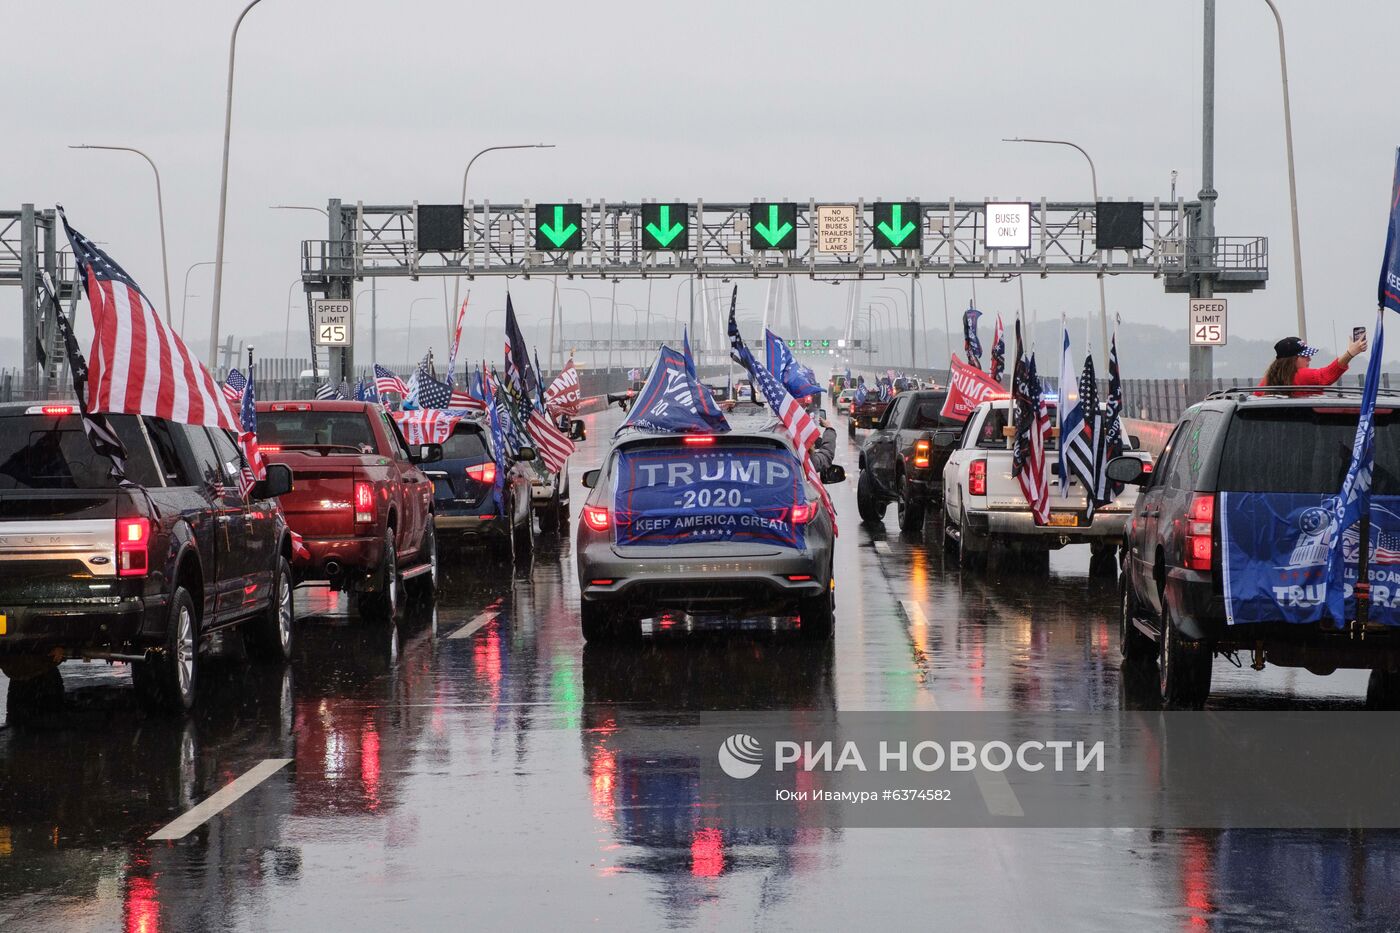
(360, 502)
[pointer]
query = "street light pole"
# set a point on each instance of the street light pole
(410, 323)
(184, 304)
(160, 211)
(457, 279)
(223, 187)
(287, 334)
(1094, 178)
(1292, 180)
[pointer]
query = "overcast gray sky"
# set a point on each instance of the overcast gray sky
(723, 101)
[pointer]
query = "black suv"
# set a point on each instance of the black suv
(144, 573)
(1236, 444)
(902, 459)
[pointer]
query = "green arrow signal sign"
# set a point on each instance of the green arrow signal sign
(666, 227)
(558, 226)
(773, 226)
(898, 225)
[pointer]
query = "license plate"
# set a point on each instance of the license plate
(1064, 519)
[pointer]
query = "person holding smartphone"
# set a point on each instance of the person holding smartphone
(1292, 364)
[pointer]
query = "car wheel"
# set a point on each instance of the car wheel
(851, 428)
(33, 696)
(910, 510)
(552, 515)
(1383, 690)
(268, 637)
(972, 547)
(1103, 561)
(1136, 647)
(603, 623)
(817, 615)
(524, 535)
(1183, 669)
(868, 502)
(383, 603)
(168, 679)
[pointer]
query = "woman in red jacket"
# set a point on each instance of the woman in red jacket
(1291, 366)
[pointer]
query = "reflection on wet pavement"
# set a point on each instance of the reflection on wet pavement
(510, 777)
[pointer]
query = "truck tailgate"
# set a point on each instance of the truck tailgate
(1004, 490)
(322, 501)
(55, 544)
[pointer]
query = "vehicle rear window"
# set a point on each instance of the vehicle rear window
(466, 443)
(315, 429)
(45, 452)
(927, 415)
(1304, 450)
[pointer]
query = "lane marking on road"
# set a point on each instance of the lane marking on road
(881, 547)
(996, 790)
(220, 800)
(475, 625)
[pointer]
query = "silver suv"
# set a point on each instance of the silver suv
(723, 524)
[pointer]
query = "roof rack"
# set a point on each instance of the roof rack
(1244, 393)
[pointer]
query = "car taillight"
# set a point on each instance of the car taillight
(133, 546)
(596, 517)
(364, 502)
(804, 513)
(484, 473)
(291, 406)
(921, 453)
(977, 478)
(1200, 522)
(1146, 466)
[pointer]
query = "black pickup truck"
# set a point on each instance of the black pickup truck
(146, 573)
(902, 459)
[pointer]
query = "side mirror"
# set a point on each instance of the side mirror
(835, 473)
(577, 431)
(525, 455)
(946, 437)
(1127, 470)
(1134, 442)
(277, 483)
(426, 453)
(590, 478)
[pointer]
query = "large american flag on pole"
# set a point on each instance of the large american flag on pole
(797, 424)
(138, 365)
(385, 381)
(234, 383)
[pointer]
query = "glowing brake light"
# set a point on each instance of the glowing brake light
(1200, 522)
(58, 409)
(699, 440)
(484, 473)
(364, 502)
(921, 454)
(596, 517)
(977, 478)
(804, 513)
(1147, 466)
(269, 448)
(133, 543)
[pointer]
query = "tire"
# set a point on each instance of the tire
(910, 511)
(1103, 561)
(552, 519)
(382, 603)
(603, 623)
(169, 679)
(523, 539)
(1183, 668)
(34, 696)
(1383, 690)
(818, 616)
(1136, 647)
(423, 588)
(868, 503)
(851, 428)
(269, 635)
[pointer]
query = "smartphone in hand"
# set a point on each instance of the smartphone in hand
(1358, 333)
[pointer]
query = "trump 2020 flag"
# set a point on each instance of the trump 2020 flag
(670, 401)
(972, 344)
(800, 381)
(1389, 296)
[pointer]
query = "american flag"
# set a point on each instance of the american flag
(1032, 421)
(138, 365)
(233, 386)
(1078, 411)
(564, 393)
(254, 467)
(326, 392)
(432, 393)
(797, 424)
(385, 382)
(553, 445)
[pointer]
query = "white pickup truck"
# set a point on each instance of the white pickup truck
(984, 508)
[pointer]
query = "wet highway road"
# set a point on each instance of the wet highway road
(477, 768)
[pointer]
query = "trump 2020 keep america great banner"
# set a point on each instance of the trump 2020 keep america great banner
(724, 493)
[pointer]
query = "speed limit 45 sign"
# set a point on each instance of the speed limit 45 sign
(333, 321)
(1207, 325)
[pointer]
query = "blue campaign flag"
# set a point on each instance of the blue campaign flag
(972, 344)
(498, 439)
(671, 400)
(1277, 559)
(718, 493)
(796, 378)
(1389, 294)
(861, 393)
(706, 397)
